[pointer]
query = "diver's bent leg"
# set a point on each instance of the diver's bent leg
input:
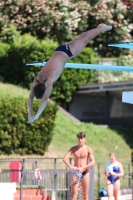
(78, 44)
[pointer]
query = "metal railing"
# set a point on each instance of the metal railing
(56, 177)
(57, 181)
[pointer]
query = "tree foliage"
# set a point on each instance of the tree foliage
(17, 135)
(113, 13)
(129, 3)
(56, 19)
(132, 160)
(63, 20)
(129, 13)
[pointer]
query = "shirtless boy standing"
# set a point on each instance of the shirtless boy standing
(43, 82)
(81, 155)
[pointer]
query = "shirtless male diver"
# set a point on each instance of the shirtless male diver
(43, 82)
(81, 155)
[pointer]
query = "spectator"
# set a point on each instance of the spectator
(113, 171)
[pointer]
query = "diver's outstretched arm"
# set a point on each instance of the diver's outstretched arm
(43, 103)
(30, 103)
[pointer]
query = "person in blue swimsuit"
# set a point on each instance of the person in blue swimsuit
(113, 172)
(43, 82)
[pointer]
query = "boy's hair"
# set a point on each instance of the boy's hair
(81, 135)
(39, 90)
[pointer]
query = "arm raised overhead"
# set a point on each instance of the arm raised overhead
(44, 100)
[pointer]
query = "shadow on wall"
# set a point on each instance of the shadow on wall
(126, 134)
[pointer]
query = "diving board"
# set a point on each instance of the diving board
(41, 64)
(127, 45)
(89, 66)
(127, 97)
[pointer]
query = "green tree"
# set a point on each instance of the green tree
(129, 13)
(64, 20)
(56, 19)
(17, 135)
(112, 13)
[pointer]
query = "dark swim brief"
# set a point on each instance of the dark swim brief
(66, 49)
(84, 173)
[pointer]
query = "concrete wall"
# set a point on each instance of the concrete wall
(102, 108)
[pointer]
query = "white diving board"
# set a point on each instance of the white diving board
(127, 45)
(127, 97)
(89, 66)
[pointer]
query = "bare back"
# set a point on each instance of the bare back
(54, 67)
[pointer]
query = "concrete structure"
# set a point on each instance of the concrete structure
(102, 104)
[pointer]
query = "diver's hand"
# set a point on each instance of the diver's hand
(104, 27)
(33, 118)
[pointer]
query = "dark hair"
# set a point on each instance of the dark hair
(81, 135)
(39, 90)
(112, 154)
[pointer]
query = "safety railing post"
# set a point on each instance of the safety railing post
(21, 181)
(129, 179)
(55, 178)
(98, 183)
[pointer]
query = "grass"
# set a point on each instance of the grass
(103, 140)
(12, 90)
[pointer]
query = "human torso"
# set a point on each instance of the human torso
(115, 167)
(80, 156)
(54, 67)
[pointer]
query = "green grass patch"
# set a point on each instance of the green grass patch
(13, 90)
(30, 186)
(103, 140)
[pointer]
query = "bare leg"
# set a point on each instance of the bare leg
(110, 189)
(117, 189)
(85, 186)
(74, 188)
(78, 44)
